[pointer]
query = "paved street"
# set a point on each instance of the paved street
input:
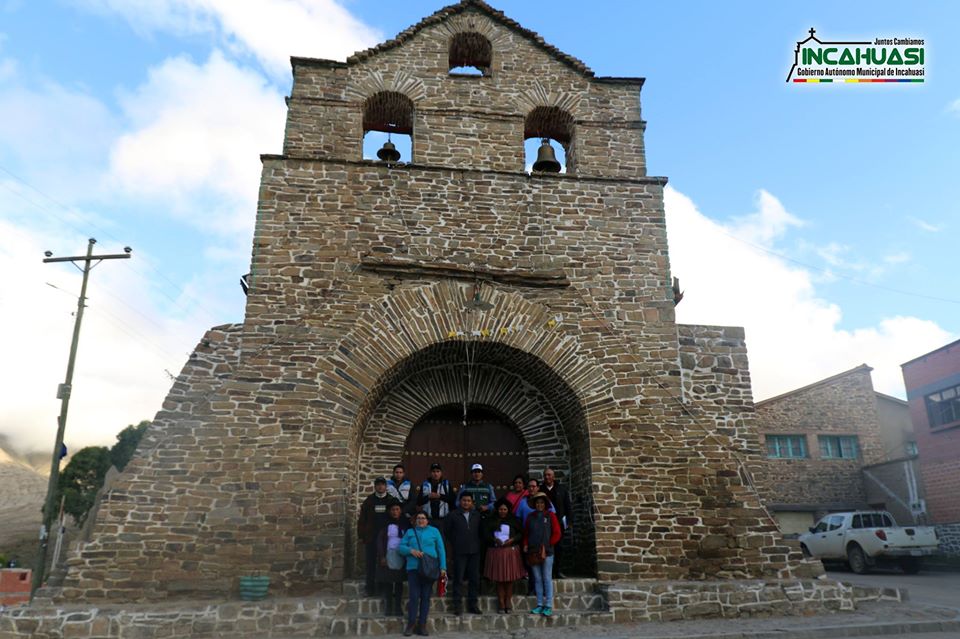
(927, 588)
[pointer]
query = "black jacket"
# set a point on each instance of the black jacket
(491, 525)
(373, 516)
(560, 498)
(464, 537)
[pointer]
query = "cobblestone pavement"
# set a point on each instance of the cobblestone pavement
(886, 618)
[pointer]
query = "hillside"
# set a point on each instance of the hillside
(22, 491)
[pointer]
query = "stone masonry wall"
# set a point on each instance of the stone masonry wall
(949, 535)
(361, 277)
(841, 405)
(589, 604)
(136, 504)
(467, 122)
(717, 391)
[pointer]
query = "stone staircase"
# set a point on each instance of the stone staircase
(577, 602)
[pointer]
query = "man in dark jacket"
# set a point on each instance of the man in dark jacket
(463, 533)
(400, 488)
(374, 513)
(436, 497)
(560, 498)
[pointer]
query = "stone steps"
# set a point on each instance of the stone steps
(561, 602)
(449, 624)
(577, 602)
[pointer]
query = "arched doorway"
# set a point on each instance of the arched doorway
(456, 442)
(415, 416)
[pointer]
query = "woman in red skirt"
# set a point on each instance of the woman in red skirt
(502, 534)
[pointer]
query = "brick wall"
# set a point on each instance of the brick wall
(939, 448)
(841, 405)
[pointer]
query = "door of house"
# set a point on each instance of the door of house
(486, 439)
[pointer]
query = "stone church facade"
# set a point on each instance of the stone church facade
(449, 290)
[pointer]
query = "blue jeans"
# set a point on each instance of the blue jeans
(543, 582)
(420, 590)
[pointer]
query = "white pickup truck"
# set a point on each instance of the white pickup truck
(867, 538)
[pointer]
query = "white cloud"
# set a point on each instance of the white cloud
(954, 107)
(8, 69)
(55, 135)
(270, 30)
(900, 257)
(769, 222)
(197, 133)
(925, 226)
(793, 334)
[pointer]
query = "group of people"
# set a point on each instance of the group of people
(513, 537)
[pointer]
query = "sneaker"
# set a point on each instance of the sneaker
(548, 612)
(537, 611)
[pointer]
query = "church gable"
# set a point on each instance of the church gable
(461, 17)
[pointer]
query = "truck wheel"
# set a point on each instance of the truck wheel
(910, 565)
(805, 551)
(856, 559)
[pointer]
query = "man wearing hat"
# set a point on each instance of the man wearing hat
(436, 496)
(374, 513)
(481, 491)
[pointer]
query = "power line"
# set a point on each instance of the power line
(210, 314)
(128, 329)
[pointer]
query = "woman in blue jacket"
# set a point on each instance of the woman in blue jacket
(420, 540)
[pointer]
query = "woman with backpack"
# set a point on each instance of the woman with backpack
(540, 534)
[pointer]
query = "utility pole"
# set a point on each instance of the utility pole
(63, 394)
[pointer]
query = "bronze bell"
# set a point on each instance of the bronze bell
(546, 158)
(388, 152)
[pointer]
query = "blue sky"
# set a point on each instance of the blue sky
(823, 218)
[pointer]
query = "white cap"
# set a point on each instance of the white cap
(476, 467)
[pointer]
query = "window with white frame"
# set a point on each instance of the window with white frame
(838, 447)
(786, 446)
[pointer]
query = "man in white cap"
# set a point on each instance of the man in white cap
(481, 491)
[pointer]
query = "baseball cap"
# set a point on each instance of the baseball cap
(436, 466)
(476, 467)
(380, 480)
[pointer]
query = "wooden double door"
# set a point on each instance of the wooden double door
(442, 437)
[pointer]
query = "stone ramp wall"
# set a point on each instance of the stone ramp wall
(137, 497)
(622, 602)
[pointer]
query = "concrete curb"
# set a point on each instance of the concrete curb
(824, 632)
